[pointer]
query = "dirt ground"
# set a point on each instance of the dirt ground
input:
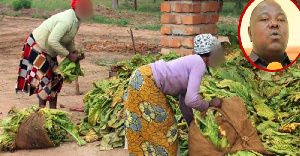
(102, 43)
(13, 33)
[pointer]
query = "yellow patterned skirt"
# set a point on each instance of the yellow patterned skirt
(151, 128)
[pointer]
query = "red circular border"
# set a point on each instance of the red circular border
(241, 45)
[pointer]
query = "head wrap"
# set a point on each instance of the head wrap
(84, 4)
(203, 44)
(73, 4)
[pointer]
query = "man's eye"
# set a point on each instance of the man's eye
(264, 19)
(281, 20)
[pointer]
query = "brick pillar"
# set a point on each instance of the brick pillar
(183, 20)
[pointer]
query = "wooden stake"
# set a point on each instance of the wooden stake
(135, 5)
(77, 92)
(131, 34)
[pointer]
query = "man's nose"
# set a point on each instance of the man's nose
(273, 24)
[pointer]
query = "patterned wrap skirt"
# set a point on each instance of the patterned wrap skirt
(151, 128)
(36, 72)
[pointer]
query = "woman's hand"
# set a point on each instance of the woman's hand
(73, 56)
(216, 102)
(81, 57)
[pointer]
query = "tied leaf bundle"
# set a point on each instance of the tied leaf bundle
(69, 70)
(210, 129)
(57, 126)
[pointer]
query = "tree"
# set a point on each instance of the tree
(220, 5)
(135, 5)
(115, 4)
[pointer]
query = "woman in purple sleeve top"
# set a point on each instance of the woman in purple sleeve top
(150, 122)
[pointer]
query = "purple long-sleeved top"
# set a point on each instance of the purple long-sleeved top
(182, 77)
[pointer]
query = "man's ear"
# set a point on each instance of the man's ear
(250, 33)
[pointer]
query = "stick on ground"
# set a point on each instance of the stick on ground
(131, 34)
(77, 92)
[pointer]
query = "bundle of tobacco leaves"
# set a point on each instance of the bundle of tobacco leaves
(69, 70)
(57, 126)
(271, 98)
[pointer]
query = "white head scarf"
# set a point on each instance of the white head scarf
(203, 43)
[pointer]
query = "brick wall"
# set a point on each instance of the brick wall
(183, 20)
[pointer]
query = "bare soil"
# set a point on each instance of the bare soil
(109, 43)
(102, 44)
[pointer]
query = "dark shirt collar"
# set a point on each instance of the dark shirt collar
(263, 63)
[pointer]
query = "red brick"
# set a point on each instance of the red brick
(195, 19)
(171, 42)
(166, 30)
(214, 18)
(180, 51)
(185, 7)
(209, 6)
(170, 19)
(186, 30)
(165, 7)
(210, 29)
(184, 52)
(188, 42)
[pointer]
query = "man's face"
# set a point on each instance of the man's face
(269, 30)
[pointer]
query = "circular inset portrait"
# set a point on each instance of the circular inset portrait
(269, 33)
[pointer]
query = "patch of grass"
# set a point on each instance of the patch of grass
(45, 16)
(225, 30)
(5, 13)
(229, 10)
(231, 31)
(43, 5)
(51, 4)
(153, 27)
(17, 14)
(104, 20)
(36, 15)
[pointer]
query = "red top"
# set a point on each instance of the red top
(73, 4)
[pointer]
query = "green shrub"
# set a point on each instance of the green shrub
(5, 13)
(17, 5)
(26, 3)
(226, 30)
(45, 16)
(120, 22)
(17, 15)
(231, 31)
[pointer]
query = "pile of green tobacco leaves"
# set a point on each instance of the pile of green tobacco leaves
(103, 106)
(271, 99)
(57, 126)
(69, 70)
(272, 102)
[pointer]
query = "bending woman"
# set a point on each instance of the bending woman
(151, 128)
(53, 37)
